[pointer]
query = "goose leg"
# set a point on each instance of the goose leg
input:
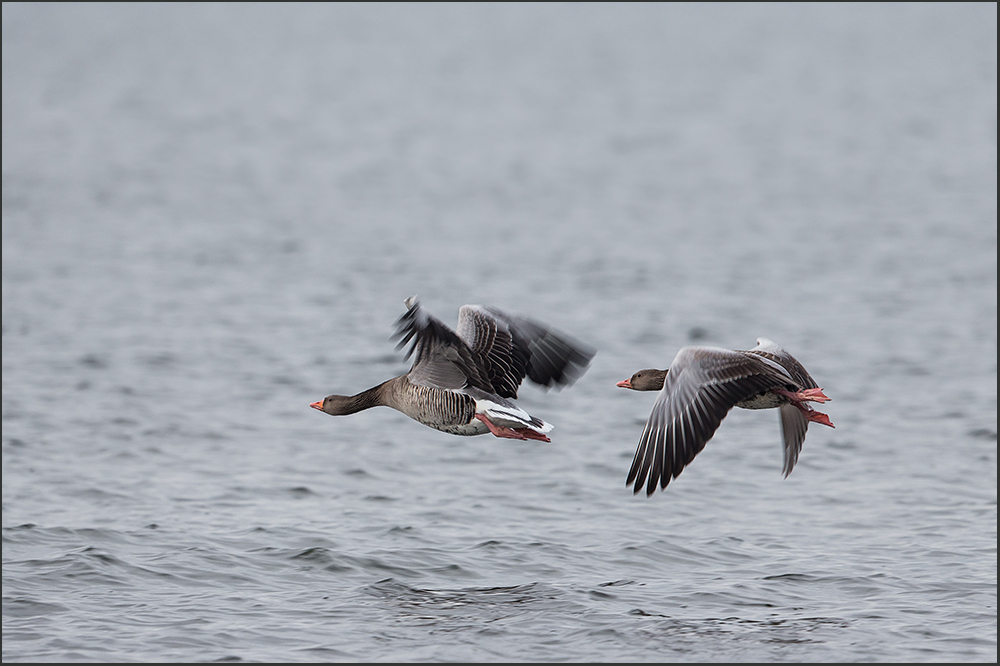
(501, 431)
(815, 417)
(531, 434)
(814, 395)
(808, 395)
(805, 395)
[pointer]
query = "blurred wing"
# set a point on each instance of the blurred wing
(510, 348)
(492, 343)
(441, 358)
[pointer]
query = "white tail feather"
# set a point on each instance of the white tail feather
(510, 416)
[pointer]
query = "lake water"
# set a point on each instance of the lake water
(212, 216)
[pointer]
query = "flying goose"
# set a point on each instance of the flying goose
(464, 382)
(698, 390)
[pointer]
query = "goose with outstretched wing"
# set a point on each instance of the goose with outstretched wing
(463, 382)
(698, 390)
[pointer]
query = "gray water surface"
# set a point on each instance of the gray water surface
(212, 215)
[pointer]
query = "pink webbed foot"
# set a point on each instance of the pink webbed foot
(816, 417)
(501, 431)
(808, 395)
(805, 395)
(813, 395)
(531, 434)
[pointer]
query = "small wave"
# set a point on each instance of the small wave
(21, 608)
(483, 602)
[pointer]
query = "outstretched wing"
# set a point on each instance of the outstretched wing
(441, 358)
(509, 348)
(700, 388)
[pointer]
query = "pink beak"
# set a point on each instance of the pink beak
(625, 384)
(317, 405)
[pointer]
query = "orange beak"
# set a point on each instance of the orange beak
(317, 405)
(625, 384)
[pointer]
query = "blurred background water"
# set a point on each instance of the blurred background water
(212, 215)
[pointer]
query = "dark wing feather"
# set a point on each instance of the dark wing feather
(491, 341)
(441, 358)
(702, 385)
(510, 348)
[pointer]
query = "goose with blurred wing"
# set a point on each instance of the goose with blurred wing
(464, 382)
